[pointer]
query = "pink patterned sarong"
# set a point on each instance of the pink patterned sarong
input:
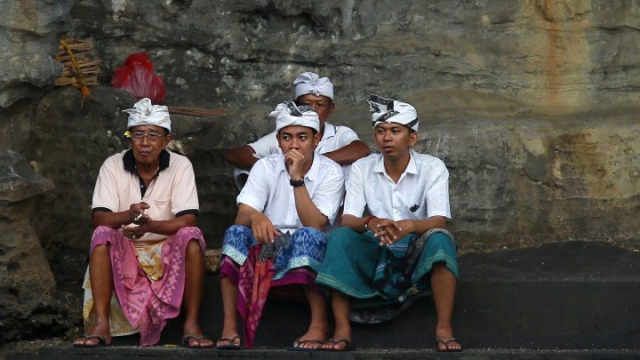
(148, 304)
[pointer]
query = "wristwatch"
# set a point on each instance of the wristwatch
(296, 183)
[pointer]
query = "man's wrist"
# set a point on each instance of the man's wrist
(296, 183)
(366, 221)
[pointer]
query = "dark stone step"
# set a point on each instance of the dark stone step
(571, 299)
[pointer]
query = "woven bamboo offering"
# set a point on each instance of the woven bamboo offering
(79, 69)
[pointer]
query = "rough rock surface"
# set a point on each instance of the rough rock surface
(27, 286)
(530, 104)
(29, 36)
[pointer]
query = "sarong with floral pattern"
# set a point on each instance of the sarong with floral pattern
(146, 303)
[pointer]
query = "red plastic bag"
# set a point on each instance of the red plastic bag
(137, 77)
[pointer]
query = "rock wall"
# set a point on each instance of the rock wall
(531, 104)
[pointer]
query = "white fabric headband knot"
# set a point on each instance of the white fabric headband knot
(287, 114)
(311, 83)
(144, 113)
(392, 111)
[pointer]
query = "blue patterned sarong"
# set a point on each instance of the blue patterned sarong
(305, 249)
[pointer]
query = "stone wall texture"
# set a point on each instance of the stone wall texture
(531, 104)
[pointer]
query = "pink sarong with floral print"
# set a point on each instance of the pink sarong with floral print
(148, 304)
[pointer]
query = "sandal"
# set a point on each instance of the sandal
(231, 345)
(199, 338)
(298, 345)
(347, 345)
(446, 345)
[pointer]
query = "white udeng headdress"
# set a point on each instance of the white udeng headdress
(144, 113)
(392, 111)
(311, 83)
(287, 114)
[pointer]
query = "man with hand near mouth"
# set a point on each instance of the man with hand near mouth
(289, 201)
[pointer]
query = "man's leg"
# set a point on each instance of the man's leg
(194, 282)
(340, 306)
(101, 275)
(443, 286)
(317, 332)
(230, 335)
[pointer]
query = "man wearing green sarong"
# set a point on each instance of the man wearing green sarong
(401, 250)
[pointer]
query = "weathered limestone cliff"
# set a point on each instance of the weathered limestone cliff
(531, 104)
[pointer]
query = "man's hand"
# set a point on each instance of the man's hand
(390, 231)
(136, 232)
(136, 213)
(263, 229)
(294, 160)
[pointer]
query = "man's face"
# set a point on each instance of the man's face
(299, 138)
(321, 104)
(394, 140)
(147, 142)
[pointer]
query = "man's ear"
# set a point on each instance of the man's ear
(413, 138)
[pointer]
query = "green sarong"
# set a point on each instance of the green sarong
(374, 276)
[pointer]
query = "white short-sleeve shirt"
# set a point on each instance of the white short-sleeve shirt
(268, 190)
(172, 192)
(421, 192)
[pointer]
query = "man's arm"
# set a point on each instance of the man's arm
(348, 154)
(309, 214)
(262, 227)
(354, 222)
(241, 157)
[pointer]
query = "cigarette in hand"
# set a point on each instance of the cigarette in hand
(139, 216)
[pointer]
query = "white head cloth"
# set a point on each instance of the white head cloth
(392, 111)
(287, 114)
(311, 83)
(143, 113)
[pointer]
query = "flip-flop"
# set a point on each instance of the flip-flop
(347, 347)
(297, 345)
(446, 345)
(231, 345)
(102, 341)
(186, 338)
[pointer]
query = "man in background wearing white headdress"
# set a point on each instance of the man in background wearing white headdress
(402, 250)
(289, 201)
(146, 254)
(338, 143)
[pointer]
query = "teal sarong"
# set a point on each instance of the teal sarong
(384, 276)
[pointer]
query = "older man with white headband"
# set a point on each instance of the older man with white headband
(339, 143)
(402, 249)
(146, 254)
(289, 201)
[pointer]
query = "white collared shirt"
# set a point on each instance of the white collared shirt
(421, 192)
(268, 190)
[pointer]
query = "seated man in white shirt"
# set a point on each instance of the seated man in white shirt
(338, 143)
(401, 251)
(290, 198)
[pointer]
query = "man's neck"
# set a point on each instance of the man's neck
(395, 167)
(150, 168)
